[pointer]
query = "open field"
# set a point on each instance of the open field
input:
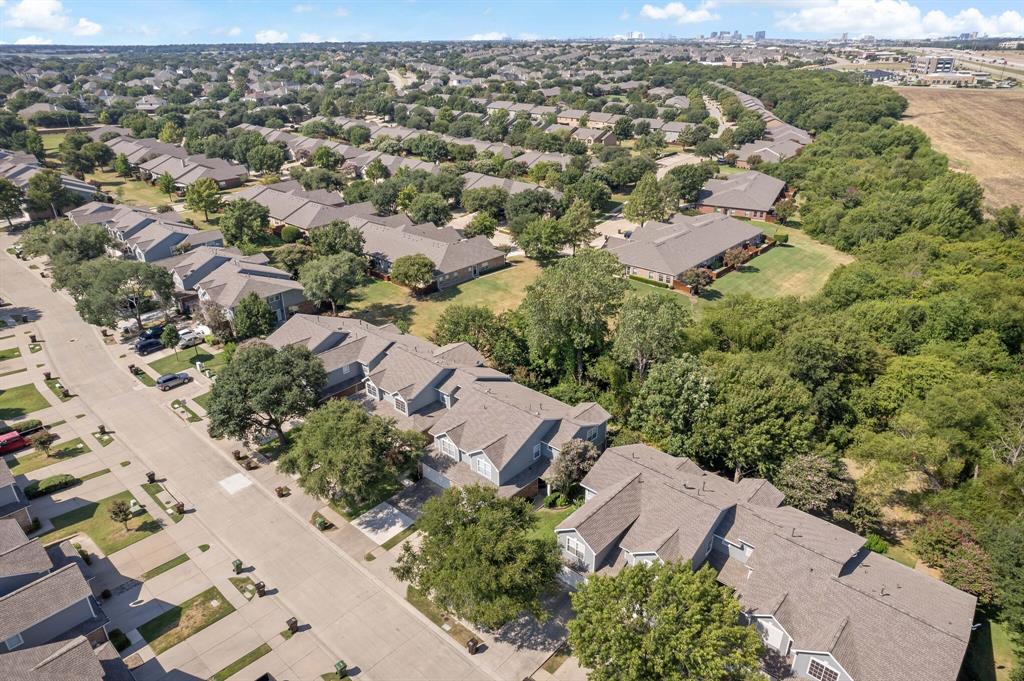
(381, 302)
(799, 268)
(981, 131)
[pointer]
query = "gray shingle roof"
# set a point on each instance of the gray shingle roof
(745, 191)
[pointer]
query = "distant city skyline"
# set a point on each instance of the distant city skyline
(119, 22)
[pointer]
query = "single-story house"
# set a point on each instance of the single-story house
(750, 195)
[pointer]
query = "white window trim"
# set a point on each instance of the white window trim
(483, 466)
(575, 547)
(825, 666)
(14, 642)
(372, 391)
(401, 405)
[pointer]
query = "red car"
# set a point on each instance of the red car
(12, 442)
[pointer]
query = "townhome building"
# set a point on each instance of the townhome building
(14, 505)
(190, 169)
(19, 168)
(141, 234)
(748, 195)
(487, 429)
(826, 607)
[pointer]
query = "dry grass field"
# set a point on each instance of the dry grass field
(982, 132)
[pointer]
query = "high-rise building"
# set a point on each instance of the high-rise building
(845, 37)
(759, 35)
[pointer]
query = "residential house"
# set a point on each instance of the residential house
(591, 136)
(138, 151)
(14, 505)
(19, 168)
(487, 429)
(825, 606)
(149, 103)
(768, 151)
(144, 235)
(664, 251)
(750, 195)
(192, 168)
(474, 180)
(532, 158)
(289, 204)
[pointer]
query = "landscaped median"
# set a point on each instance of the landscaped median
(94, 520)
(170, 628)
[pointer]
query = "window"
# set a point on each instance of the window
(821, 671)
(537, 450)
(483, 467)
(401, 406)
(575, 547)
(14, 642)
(347, 369)
(592, 434)
(371, 390)
(448, 448)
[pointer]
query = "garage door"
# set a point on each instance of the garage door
(433, 476)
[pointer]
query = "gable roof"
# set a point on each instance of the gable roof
(746, 191)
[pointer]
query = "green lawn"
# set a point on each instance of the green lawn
(435, 615)
(9, 353)
(186, 359)
(990, 655)
(203, 401)
(153, 489)
(52, 141)
(799, 268)
(94, 520)
(381, 302)
(548, 519)
(20, 400)
(164, 567)
(34, 460)
(241, 663)
(174, 626)
(127, 191)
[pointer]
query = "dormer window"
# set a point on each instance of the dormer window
(537, 448)
(592, 434)
(483, 467)
(821, 671)
(401, 406)
(14, 642)
(371, 390)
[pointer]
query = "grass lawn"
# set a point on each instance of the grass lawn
(351, 514)
(400, 537)
(241, 663)
(53, 384)
(799, 268)
(153, 489)
(435, 615)
(20, 400)
(145, 379)
(94, 520)
(9, 353)
(174, 626)
(203, 401)
(245, 586)
(164, 567)
(381, 302)
(902, 554)
(52, 141)
(990, 655)
(34, 460)
(187, 359)
(191, 416)
(128, 191)
(547, 521)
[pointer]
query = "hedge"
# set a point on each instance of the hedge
(650, 282)
(50, 485)
(290, 234)
(20, 426)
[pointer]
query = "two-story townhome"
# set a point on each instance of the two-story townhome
(227, 285)
(487, 429)
(141, 234)
(825, 606)
(14, 504)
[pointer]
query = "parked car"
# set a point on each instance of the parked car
(168, 381)
(189, 337)
(152, 333)
(12, 442)
(145, 347)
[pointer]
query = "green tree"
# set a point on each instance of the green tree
(204, 195)
(375, 170)
(697, 278)
(1007, 222)
(577, 224)
(122, 166)
(166, 184)
(46, 191)
(267, 158)
(11, 199)
(336, 237)
(171, 133)
(244, 221)
(430, 207)
(650, 329)
(574, 461)
(816, 482)
(324, 157)
(415, 271)
(567, 309)
(674, 396)
(785, 210)
(263, 388)
(646, 202)
(169, 338)
(120, 512)
(292, 257)
(490, 200)
(332, 278)
(478, 558)
(690, 178)
(710, 148)
(253, 317)
(343, 452)
(542, 239)
(662, 621)
(460, 323)
(482, 224)
(107, 290)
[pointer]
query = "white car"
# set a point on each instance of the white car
(189, 337)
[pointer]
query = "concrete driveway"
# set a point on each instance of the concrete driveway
(382, 522)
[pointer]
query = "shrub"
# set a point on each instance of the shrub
(119, 640)
(105, 594)
(781, 238)
(54, 483)
(163, 208)
(20, 426)
(652, 282)
(290, 234)
(948, 544)
(877, 544)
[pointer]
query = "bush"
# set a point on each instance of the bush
(877, 544)
(20, 426)
(119, 640)
(55, 483)
(290, 234)
(163, 208)
(652, 282)
(781, 238)
(105, 594)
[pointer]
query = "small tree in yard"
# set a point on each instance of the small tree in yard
(166, 184)
(169, 338)
(204, 195)
(785, 210)
(734, 257)
(42, 441)
(482, 224)
(122, 166)
(11, 198)
(646, 202)
(244, 221)
(253, 317)
(573, 462)
(415, 271)
(697, 279)
(331, 279)
(121, 512)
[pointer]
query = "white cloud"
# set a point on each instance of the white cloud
(48, 15)
(624, 16)
(680, 13)
(234, 30)
(86, 27)
(341, 12)
(490, 35)
(897, 19)
(310, 38)
(33, 40)
(529, 36)
(302, 8)
(271, 35)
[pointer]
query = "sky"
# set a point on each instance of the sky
(151, 22)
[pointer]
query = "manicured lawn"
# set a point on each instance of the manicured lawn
(190, 415)
(27, 462)
(52, 141)
(94, 520)
(54, 384)
(174, 626)
(435, 615)
(164, 567)
(20, 400)
(548, 519)
(187, 359)
(799, 268)
(153, 489)
(203, 401)
(990, 655)
(241, 663)
(381, 302)
(9, 353)
(128, 191)
(400, 537)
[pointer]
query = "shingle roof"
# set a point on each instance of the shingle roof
(746, 191)
(40, 599)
